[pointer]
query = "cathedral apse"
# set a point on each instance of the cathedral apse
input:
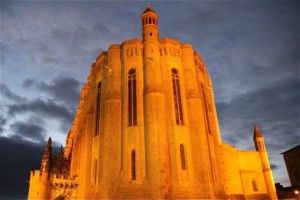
(147, 127)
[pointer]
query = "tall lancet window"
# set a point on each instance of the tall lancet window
(98, 108)
(132, 110)
(182, 157)
(133, 167)
(95, 171)
(177, 97)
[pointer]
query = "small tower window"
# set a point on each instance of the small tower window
(182, 157)
(132, 107)
(150, 21)
(98, 107)
(150, 33)
(254, 186)
(262, 147)
(177, 98)
(133, 167)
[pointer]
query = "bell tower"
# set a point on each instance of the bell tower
(149, 19)
(261, 149)
(156, 152)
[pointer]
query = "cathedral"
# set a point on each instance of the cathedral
(147, 127)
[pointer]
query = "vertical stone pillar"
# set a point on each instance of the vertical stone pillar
(112, 120)
(44, 189)
(86, 164)
(156, 150)
(157, 166)
(212, 112)
(198, 130)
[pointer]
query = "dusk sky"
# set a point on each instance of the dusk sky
(251, 49)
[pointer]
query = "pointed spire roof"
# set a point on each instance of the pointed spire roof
(256, 132)
(149, 9)
(48, 148)
(46, 160)
(61, 152)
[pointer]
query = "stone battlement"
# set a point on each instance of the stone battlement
(37, 175)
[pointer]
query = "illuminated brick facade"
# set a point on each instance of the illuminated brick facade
(147, 127)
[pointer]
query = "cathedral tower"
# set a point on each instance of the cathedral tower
(146, 127)
(156, 139)
(261, 148)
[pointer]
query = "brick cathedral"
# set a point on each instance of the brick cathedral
(146, 127)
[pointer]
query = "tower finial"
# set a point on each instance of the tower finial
(149, 21)
(149, 8)
(149, 5)
(256, 132)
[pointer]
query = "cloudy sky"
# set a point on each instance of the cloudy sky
(251, 49)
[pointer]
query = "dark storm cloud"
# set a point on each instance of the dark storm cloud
(62, 89)
(36, 120)
(2, 123)
(61, 35)
(63, 43)
(275, 109)
(28, 131)
(18, 157)
(5, 91)
(101, 29)
(81, 42)
(27, 83)
(242, 53)
(50, 60)
(44, 108)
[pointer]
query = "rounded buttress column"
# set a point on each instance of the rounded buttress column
(198, 130)
(112, 121)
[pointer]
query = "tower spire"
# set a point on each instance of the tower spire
(258, 139)
(149, 19)
(46, 160)
(260, 147)
(256, 132)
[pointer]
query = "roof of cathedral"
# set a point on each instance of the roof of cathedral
(149, 9)
(257, 132)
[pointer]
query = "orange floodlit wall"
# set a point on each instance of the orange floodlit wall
(147, 127)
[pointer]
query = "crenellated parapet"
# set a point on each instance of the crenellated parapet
(36, 175)
(53, 186)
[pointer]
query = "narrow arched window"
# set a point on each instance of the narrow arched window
(150, 21)
(204, 95)
(95, 171)
(262, 146)
(132, 107)
(177, 98)
(133, 165)
(182, 157)
(98, 108)
(254, 186)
